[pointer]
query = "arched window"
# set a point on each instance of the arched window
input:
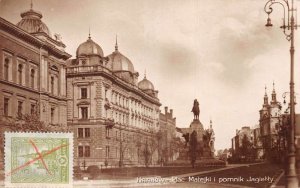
(20, 74)
(32, 76)
(6, 68)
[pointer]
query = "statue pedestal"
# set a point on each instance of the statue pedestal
(197, 126)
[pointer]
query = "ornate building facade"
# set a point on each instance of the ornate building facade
(113, 116)
(32, 69)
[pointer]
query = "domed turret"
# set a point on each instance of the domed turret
(32, 23)
(88, 48)
(121, 66)
(145, 84)
(120, 62)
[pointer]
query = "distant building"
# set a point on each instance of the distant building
(167, 124)
(114, 117)
(257, 143)
(252, 135)
(32, 70)
(237, 140)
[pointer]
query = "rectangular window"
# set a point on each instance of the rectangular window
(32, 77)
(84, 112)
(20, 108)
(87, 132)
(80, 151)
(107, 132)
(87, 151)
(6, 69)
(52, 84)
(83, 93)
(107, 152)
(52, 115)
(32, 109)
(80, 132)
(20, 74)
(6, 103)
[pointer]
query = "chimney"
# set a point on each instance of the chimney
(166, 110)
(171, 112)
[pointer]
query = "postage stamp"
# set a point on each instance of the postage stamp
(38, 159)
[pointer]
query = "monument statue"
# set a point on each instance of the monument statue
(196, 109)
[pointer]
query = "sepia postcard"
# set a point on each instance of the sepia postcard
(149, 93)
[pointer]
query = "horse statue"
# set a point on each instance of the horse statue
(196, 109)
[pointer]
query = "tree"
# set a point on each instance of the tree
(247, 150)
(158, 137)
(176, 145)
(219, 153)
(146, 154)
(124, 146)
(193, 148)
(26, 123)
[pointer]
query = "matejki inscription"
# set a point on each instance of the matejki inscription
(208, 179)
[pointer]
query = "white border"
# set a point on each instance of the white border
(7, 151)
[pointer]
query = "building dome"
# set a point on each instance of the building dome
(120, 63)
(145, 84)
(89, 47)
(32, 23)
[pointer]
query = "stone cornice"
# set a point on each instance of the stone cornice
(18, 32)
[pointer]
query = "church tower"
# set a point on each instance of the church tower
(269, 120)
(275, 111)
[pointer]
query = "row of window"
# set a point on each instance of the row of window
(20, 109)
(121, 100)
(118, 135)
(8, 73)
(7, 107)
(85, 151)
(86, 133)
(121, 118)
(21, 74)
(118, 117)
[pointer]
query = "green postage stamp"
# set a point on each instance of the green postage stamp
(38, 159)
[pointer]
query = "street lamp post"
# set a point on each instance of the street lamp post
(292, 180)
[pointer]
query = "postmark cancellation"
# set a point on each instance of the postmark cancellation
(38, 159)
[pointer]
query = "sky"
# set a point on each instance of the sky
(216, 51)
